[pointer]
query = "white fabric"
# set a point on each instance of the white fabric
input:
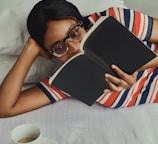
(13, 15)
(72, 122)
(90, 6)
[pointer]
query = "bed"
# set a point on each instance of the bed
(69, 121)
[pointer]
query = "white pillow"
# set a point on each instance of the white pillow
(14, 34)
(90, 6)
(13, 31)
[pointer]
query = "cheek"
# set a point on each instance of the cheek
(62, 59)
(66, 57)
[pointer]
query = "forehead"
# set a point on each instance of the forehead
(57, 30)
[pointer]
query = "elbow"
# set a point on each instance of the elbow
(4, 113)
(7, 110)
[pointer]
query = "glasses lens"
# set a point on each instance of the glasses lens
(76, 33)
(60, 48)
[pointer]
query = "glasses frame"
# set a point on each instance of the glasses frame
(52, 52)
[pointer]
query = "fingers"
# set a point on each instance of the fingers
(128, 78)
(113, 79)
(120, 73)
(115, 83)
(122, 82)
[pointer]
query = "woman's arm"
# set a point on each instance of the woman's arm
(154, 34)
(12, 100)
(153, 39)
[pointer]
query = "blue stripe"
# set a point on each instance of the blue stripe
(140, 75)
(123, 97)
(103, 13)
(126, 17)
(149, 44)
(150, 26)
(145, 94)
(49, 95)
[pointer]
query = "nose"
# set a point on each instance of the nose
(74, 47)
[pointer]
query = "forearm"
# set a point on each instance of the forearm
(153, 39)
(11, 86)
(154, 34)
(153, 63)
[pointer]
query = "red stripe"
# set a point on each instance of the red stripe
(95, 17)
(111, 99)
(119, 13)
(136, 94)
(136, 24)
(52, 88)
(156, 99)
(153, 91)
(112, 12)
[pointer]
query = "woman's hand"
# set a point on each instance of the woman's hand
(118, 84)
(34, 46)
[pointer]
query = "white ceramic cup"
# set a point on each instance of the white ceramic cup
(26, 134)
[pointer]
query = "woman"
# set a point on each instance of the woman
(56, 33)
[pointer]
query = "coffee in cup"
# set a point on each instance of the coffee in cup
(26, 134)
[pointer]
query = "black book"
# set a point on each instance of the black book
(107, 42)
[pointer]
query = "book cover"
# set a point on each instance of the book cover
(108, 42)
(112, 43)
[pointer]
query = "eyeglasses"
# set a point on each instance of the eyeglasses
(60, 48)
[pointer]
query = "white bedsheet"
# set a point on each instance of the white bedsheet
(72, 122)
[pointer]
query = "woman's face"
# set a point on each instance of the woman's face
(63, 38)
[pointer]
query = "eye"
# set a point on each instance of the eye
(60, 47)
(75, 33)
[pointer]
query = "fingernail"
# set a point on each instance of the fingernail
(113, 66)
(106, 75)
